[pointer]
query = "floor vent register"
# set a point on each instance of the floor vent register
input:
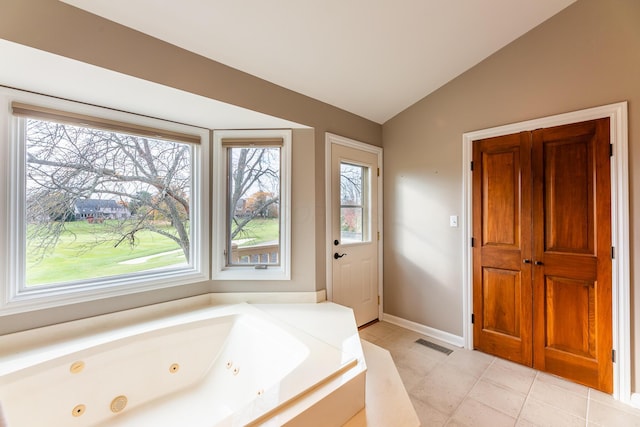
(434, 346)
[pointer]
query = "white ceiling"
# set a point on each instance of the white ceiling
(373, 58)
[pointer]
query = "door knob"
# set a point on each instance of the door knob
(538, 263)
(336, 242)
(526, 261)
(337, 255)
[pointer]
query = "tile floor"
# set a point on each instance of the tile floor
(469, 388)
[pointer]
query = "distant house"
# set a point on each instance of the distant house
(241, 208)
(92, 209)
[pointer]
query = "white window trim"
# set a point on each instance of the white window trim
(11, 250)
(220, 270)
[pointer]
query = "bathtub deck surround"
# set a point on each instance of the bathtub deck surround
(310, 369)
(387, 401)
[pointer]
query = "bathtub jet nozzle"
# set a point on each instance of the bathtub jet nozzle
(118, 403)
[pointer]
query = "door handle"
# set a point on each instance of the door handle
(526, 261)
(538, 263)
(338, 256)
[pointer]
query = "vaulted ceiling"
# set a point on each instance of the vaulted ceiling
(373, 58)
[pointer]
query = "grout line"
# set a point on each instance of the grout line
(462, 401)
(527, 396)
(466, 396)
(550, 405)
(586, 416)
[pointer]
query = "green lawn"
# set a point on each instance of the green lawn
(77, 256)
(259, 231)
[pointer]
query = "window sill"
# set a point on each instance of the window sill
(52, 298)
(251, 273)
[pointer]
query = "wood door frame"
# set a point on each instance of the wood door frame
(621, 302)
(330, 139)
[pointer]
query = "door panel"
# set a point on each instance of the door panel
(568, 192)
(570, 310)
(500, 201)
(502, 295)
(541, 261)
(572, 233)
(502, 282)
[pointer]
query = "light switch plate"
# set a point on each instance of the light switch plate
(453, 221)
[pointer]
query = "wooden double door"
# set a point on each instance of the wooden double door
(542, 250)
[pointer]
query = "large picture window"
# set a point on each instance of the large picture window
(253, 216)
(99, 205)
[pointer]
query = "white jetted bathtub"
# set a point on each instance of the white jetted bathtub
(232, 365)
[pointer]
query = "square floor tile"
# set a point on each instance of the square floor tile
(576, 388)
(559, 397)
(607, 415)
(498, 397)
(470, 362)
(474, 413)
(429, 416)
(444, 388)
(510, 375)
(539, 413)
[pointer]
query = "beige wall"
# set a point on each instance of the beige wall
(61, 29)
(588, 55)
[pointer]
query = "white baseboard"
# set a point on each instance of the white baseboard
(635, 400)
(446, 337)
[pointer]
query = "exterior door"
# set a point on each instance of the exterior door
(545, 197)
(354, 230)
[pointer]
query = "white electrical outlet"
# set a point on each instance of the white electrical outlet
(453, 221)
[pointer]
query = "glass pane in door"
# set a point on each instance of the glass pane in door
(354, 210)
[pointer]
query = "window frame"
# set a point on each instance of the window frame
(13, 299)
(220, 269)
(365, 204)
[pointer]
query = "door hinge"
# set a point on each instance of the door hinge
(472, 166)
(473, 318)
(473, 242)
(613, 252)
(610, 150)
(378, 299)
(613, 356)
(378, 171)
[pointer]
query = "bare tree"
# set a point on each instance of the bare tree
(66, 163)
(253, 170)
(152, 178)
(351, 183)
